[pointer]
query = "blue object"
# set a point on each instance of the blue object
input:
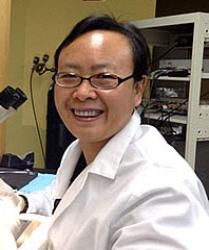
(39, 183)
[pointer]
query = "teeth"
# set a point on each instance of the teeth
(86, 113)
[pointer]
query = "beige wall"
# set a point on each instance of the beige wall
(37, 28)
(4, 49)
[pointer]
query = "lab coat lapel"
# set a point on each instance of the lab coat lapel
(63, 192)
(66, 169)
(71, 194)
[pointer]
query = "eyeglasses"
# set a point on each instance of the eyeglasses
(103, 81)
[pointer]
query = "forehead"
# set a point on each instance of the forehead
(98, 45)
(99, 37)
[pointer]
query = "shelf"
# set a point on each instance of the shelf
(170, 21)
(205, 75)
(180, 79)
(169, 78)
(174, 118)
(163, 31)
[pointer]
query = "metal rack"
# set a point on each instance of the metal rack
(159, 32)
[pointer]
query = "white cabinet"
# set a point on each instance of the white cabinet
(162, 31)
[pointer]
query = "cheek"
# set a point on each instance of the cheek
(60, 98)
(121, 104)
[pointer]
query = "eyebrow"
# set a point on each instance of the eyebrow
(71, 65)
(93, 67)
(102, 66)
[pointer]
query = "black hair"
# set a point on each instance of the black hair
(141, 55)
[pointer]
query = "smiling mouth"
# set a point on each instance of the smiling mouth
(87, 113)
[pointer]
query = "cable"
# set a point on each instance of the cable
(166, 115)
(181, 41)
(154, 77)
(156, 74)
(163, 54)
(35, 116)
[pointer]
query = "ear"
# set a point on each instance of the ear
(139, 88)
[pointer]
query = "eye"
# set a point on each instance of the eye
(106, 76)
(68, 79)
(68, 76)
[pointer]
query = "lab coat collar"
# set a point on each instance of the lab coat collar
(108, 159)
(106, 163)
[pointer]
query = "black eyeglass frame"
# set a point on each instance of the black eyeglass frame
(119, 80)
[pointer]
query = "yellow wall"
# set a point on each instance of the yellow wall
(37, 28)
(4, 49)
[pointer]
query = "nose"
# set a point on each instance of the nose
(85, 91)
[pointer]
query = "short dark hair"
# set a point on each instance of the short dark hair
(141, 55)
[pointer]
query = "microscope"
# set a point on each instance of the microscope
(10, 100)
(12, 167)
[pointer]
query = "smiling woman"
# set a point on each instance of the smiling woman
(94, 108)
(29, 38)
(120, 185)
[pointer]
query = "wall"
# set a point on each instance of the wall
(180, 7)
(5, 6)
(37, 28)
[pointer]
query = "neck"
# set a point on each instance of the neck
(90, 150)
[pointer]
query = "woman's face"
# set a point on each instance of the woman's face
(91, 114)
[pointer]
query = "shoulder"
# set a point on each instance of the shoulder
(153, 165)
(150, 146)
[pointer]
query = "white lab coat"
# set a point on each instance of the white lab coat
(138, 193)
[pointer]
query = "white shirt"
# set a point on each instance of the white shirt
(138, 193)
